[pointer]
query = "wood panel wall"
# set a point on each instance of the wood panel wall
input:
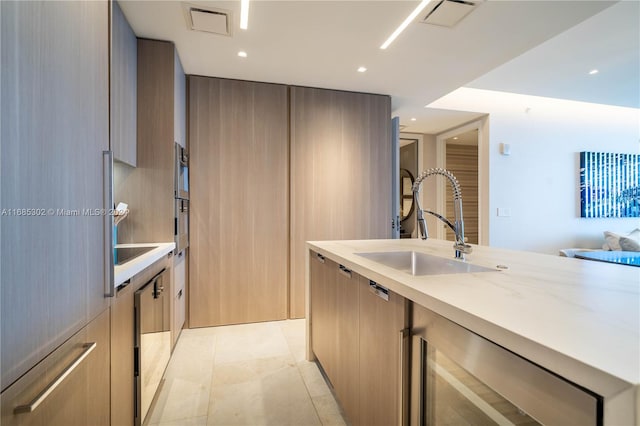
(340, 173)
(462, 161)
(239, 178)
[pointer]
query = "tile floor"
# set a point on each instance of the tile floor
(249, 374)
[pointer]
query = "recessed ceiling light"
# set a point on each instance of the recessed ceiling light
(405, 23)
(244, 14)
(413, 119)
(594, 71)
(242, 54)
(362, 69)
(455, 138)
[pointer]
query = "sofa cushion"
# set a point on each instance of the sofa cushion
(612, 239)
(628, 244)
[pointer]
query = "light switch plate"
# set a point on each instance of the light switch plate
(504, 212)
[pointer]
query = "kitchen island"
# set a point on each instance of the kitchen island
(575, 318)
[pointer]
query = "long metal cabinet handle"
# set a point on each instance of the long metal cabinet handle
(403, 419)
(39, 399)
(345, 271)
(107, 172)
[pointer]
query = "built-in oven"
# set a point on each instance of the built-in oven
(181, 172)
(152, 341)
(181, 224)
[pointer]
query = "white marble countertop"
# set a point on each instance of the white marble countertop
(577, 318)
(136, 265)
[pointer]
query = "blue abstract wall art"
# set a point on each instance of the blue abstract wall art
(609, 185)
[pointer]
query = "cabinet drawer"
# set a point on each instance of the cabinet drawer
(69, 387)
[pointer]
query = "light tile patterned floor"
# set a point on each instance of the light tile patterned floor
(249, 374)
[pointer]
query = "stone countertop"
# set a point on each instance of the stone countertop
(577, 318)
(136, 265)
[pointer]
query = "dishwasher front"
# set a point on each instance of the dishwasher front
(153, 341)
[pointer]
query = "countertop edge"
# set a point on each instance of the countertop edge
(127, 270)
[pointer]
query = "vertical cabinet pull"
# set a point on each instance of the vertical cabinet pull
(403, 378)
(107, 201)
(39, 399)
(378, 290)
(345, 271)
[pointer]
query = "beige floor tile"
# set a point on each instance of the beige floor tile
(180, 399)
(193, 421)
(313, 379)
(250, 341)
(328, 410)
(275, 395)
(249, 374)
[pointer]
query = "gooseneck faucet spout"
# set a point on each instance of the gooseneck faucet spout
(461, 248)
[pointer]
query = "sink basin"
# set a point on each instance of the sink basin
(416, 263)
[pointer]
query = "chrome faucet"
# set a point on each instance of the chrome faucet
(460, 247)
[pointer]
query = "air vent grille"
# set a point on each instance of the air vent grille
(208, 20)
(447, 13)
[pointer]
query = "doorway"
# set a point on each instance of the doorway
(408, 172)
(459, 151)
(461, 159)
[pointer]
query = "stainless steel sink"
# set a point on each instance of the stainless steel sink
(416, 263)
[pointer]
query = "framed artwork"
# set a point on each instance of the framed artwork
(609, 185)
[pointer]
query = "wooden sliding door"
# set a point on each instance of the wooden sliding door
(340, 173)
(239, 230)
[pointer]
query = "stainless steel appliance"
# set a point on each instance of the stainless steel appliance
(153, 340)
(181, 233)
(182, 225)
(459, 377)
(181, 173)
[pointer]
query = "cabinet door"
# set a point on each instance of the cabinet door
(323, 311)
(238, 252)
(382, 321)
(80, 398)
(55, 125)
(124, 63)
(340, 173)
(346, 381)
(180, 102)
(178, 294)
(122, 341)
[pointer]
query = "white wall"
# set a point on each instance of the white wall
(539, 181)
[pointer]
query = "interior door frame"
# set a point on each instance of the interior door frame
(482, 125)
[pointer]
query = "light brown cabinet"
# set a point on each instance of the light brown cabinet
(149, 188)
(358, 335)
(178, 295)
(69, 387)
(124, 59)
(383, 355)
(347, 375)
(324, 321)
(239, 201)
(55, 127)
(340, 173)
(122, 370)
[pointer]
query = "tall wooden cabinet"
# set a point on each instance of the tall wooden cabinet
(340, 173)
(239, 201)
(55, 127)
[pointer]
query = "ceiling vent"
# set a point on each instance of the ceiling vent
(208, 19)
(447, 13)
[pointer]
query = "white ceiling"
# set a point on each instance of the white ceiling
(322, 43)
